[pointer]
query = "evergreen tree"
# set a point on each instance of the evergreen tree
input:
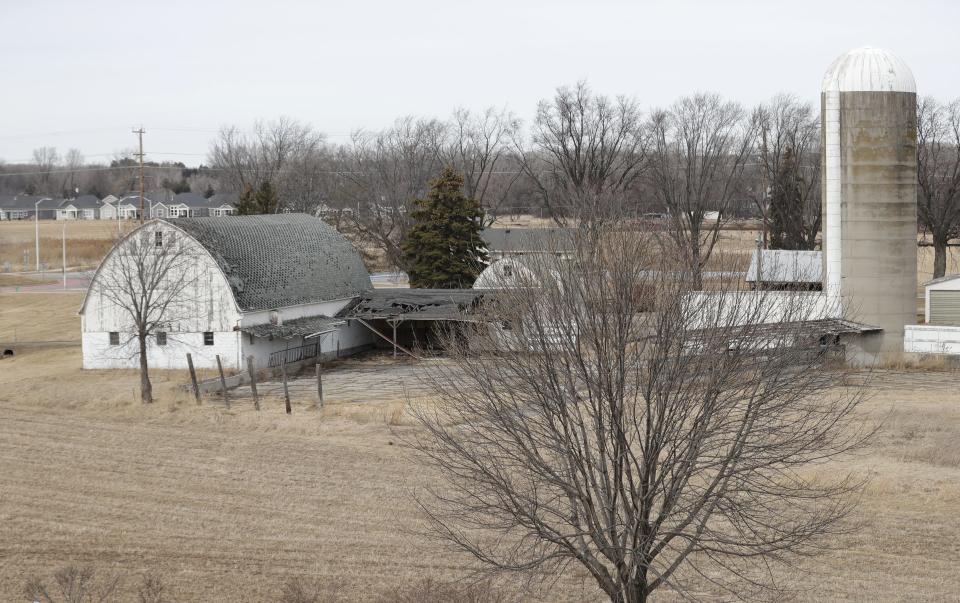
(260, 201)
(247, 203)
(787, 227)
(443, 249)
(209, 192)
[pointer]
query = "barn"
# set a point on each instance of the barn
(268, 286)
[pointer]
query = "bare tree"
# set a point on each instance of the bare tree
(699, 149)
(148, 278)
(73, 585)
(283, 152)
(46, 159)
(620, 420)
(72, 163)
(788, 172)
(476, 145)
(938, 166)
(587, 151)
(383, 173)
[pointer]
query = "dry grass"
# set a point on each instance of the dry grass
(87, 242)
(232, 505)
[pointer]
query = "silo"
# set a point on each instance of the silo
(869, 159)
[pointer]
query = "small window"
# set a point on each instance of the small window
(208, 338)
(158, 239)
(161, 338)
(114, 338)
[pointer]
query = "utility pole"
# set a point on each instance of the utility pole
(140, 132)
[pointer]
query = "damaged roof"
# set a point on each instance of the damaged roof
(415, 304)
(278, 260)
(299, 327)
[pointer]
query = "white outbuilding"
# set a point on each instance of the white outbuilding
(266, 286)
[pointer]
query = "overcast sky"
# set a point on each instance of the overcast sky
(81, 73)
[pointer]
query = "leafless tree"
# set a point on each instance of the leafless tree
(383, 173)
(587, 151)
(938, 162)
(477, 146)
(72, 163)
(46, 160)
(73, 585)
(283, 152)
(788, 149)
(148, 278)
(658, 436)
(699, 149)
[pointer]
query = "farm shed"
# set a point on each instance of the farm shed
(405, 318)
(264, 286)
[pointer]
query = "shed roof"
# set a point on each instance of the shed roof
(272, 261)
(528, 240)
(415, 304)
(300, 327)
(942, 279)
(786, 266)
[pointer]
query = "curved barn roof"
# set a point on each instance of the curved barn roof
(273, 261)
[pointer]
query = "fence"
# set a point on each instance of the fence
(307, 350)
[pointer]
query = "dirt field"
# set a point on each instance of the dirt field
(227, 505)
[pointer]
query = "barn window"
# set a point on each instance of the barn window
(161, 338)
(158, 239)
(114, 338)
(208, 338)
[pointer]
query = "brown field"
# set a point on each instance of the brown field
(87, 242)
(228, 505)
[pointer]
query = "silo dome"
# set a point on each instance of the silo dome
(869, 70)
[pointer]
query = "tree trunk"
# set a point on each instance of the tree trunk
(939, 258)
(146, 390)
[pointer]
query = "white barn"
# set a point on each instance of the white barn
(264, 286)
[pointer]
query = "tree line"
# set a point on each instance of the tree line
(698, 163)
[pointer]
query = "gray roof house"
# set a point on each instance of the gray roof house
(84, 207)
(21, 207)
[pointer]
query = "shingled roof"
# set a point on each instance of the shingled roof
(273, 261)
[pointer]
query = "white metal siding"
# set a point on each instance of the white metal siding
(945, 307)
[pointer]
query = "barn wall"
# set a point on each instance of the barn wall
(206, 305)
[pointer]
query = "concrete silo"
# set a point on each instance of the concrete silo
(869, 159)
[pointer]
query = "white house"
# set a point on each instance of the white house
(267, 286)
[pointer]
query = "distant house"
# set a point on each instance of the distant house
(223, 204)
(517, 242)
(23, 207)
(192, 205)
(108, 208)
(782, 269)
(269, 286)
(84, 207)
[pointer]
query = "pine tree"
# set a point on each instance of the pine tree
(260, 201)
(209, 192)
(444, 250)
(787, 226)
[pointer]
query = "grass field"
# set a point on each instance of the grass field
(228, 505)
(87, 242)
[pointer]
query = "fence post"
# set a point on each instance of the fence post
(286, 392)
(253, 382)
(223, 383)
(319, 386)
(193, 377)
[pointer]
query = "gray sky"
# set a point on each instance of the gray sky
(82, 73)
